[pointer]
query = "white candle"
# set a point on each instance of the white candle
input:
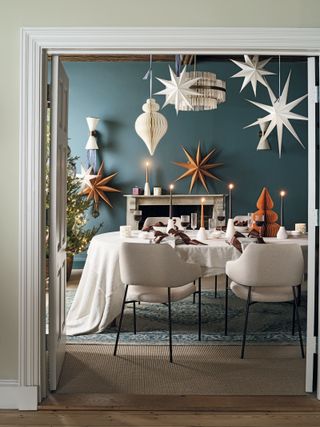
(282, 195)
(147, 171)
(301, 227)
(170, 207)
(231, 187)
(202, 212)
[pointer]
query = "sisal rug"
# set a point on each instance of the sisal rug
(197, 369)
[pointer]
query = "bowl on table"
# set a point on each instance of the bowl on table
(241, 229)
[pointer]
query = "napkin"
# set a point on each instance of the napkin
(179, 237)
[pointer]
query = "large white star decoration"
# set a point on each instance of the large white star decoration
(86, 176)
(280, 114)
(253, 71)
(178, 89)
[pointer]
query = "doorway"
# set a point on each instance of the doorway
(177, 47)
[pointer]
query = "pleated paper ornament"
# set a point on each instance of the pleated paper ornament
(92, 145)
(265, 205)
(151, 125)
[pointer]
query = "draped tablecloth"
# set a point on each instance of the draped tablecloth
(99, 294)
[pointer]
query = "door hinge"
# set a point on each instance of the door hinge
(316, 94)
(48, 95)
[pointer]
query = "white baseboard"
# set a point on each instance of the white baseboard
(13, 396)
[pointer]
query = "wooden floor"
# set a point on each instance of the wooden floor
(175, 411)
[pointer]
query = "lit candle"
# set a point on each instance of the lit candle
(202, 212)
(147, 171)
(170, 207)
(231, 187)
(282, 196)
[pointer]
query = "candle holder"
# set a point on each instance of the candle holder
(230, 229)
(202, 234)
(147, 191)
(282, 234)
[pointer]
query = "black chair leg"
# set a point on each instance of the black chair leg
(134, 318)
(226, 307)
(194, 294)
(246, 323)
(170, 325)
(293, 318)
(298, 320)
(215, 286)
(120, 321)
(199, 309)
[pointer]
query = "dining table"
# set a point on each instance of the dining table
(98, 298)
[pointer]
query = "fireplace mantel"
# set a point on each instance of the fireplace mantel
(135, 201)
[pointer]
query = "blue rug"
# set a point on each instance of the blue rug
(268, 323)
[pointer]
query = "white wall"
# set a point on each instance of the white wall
(15, 14)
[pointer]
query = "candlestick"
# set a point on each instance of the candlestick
(202, 212)
(282, 196)
(170, 207)
(230, 186)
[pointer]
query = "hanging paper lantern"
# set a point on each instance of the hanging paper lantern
(92, 145)
(210, 92)
(263, 142)
(151, 126)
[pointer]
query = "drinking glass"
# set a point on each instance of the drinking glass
(250, 220)
(137, 216)
(211, 224)
(185, 221)
(259, 220)
(194, 220)
(221, 216)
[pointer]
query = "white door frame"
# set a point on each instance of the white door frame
(36, 44)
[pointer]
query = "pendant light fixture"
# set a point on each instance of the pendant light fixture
(151, 125)
(210, 91)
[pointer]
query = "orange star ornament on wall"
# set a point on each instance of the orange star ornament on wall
(198, 168)
(98, 188)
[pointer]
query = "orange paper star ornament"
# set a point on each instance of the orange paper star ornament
(98, 188)
(198, 168)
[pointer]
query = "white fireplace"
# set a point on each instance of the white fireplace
(134, 202)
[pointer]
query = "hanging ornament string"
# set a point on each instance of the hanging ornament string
(148, 75)
(178, 65)
(279, 82)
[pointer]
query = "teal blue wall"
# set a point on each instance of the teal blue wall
(115, 93)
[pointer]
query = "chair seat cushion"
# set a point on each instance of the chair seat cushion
(159, 295)
(263, 293)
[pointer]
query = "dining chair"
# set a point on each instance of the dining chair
(268, 273)
(151, 220)
(156, 274)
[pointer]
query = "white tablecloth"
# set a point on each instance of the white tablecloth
(99, 295)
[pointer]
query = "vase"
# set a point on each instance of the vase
(69, 265)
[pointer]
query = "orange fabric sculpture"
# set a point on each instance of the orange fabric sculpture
(265, 205)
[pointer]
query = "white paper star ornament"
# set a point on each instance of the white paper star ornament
(86, 176)
(178, 89)
(280, 114)
(252, 70)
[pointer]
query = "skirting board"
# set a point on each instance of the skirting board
(13, 396)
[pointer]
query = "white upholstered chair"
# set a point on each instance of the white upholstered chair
(156, 274)
(267, 273)
(151, 220)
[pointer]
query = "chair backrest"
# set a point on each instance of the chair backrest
(151, 220)
(272, 264)
(144, 264)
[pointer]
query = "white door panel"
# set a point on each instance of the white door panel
(58, 205)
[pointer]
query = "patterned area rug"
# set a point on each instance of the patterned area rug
(269, 323)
